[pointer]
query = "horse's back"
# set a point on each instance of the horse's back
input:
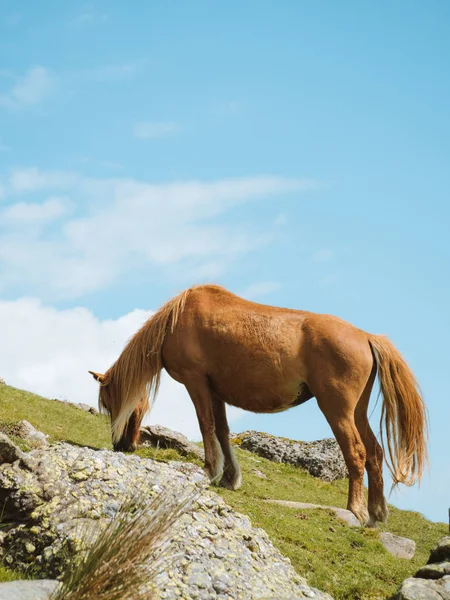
(255, 351)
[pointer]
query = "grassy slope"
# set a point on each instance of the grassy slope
(348, 563)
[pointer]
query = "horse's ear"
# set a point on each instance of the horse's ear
(97, 376)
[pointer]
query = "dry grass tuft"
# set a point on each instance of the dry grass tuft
(124, 560)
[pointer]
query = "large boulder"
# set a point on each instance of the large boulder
(57, 493)
(158, 436)
(322, 458)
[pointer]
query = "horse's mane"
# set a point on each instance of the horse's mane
(137, 372)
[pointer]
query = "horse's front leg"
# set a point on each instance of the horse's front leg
(232, 478)
(198, 389)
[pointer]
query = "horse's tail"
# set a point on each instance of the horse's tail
(403, 414)
(137, 372)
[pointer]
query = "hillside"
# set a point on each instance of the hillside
(346, 562)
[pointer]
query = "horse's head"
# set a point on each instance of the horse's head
(109, 403)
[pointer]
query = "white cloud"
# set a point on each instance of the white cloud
(156, 129)
(32, 212)
(260, 289)
(30, 89)
(33, 179)
(132, 225)
(49, 352)
(322, 255)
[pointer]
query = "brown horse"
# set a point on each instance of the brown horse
(265, 359)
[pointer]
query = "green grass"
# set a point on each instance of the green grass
(349, 563)
(62, 422)
(8, 575)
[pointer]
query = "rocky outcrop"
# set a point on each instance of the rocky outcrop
(431, 582)
(322, 458)
(80, 405)
(158, 436)
(53, 495)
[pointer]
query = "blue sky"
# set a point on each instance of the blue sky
(297, 153)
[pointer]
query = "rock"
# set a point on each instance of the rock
(39, 589)
(87, 408)
(424, 589)
(322, 458)
(441, 552)
(26, 431)
(80, 405)
(162, 437)
(341, 513)
(400, 547)
(9, 452)
(2, 381)
(434, 571)
(259, 474)
(431, 582)
(63, 491)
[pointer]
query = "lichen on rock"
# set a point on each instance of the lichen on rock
(322, 458)
(56, 494)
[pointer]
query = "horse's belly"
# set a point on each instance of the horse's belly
(263, 399)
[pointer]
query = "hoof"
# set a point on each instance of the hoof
(362, 515)
(379, 512)
(372, 522)
(231, 480)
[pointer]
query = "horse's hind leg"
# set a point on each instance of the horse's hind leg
(198, 389)
(232, 478)
(338, 409)
(378, 510)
